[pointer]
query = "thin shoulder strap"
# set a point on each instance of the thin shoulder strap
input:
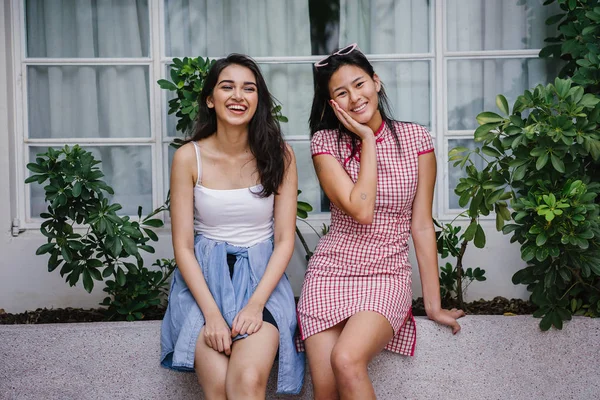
(198, 162)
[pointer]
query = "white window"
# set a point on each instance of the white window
(89, 70)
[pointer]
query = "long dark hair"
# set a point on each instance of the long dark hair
(321, 113)
(264, 133)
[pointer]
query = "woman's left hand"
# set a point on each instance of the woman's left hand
(448, 318)
(249, 320)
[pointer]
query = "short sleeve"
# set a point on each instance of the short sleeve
(425, 141)
(319, 144)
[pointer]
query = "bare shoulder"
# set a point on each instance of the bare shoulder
(184, 160)
(290, 151)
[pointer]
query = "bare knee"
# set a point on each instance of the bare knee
(245, 383)
(347, 368)
(213, 389)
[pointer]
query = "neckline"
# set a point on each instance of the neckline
(380, 128)
(200, 186)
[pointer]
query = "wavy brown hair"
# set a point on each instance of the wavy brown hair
(264, 133)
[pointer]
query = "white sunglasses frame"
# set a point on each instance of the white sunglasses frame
(341, 52)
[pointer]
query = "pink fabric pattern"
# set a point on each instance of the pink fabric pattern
(365, 267)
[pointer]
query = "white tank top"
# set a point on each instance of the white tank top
(236, 216)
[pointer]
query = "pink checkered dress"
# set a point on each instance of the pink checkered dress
(365, 267)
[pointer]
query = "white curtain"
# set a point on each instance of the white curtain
(474, 25)
(400, 27)
(93, 101)
(256, 27)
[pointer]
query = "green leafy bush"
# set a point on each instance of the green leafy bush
(544, 153)
(85, 236)
(454, 280)
(578, 42)
(135, 293)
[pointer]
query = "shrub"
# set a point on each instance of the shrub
(86, 237)
(543, 153)
(454, 280)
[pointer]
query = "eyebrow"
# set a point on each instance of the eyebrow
(354, 81)
(232, 82)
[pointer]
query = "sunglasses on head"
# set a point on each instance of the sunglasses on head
(341, 52)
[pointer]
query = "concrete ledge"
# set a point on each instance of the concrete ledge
(494, 357)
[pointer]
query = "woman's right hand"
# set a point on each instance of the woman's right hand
(363, 131)
(217, 334)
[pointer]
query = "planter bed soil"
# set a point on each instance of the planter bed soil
(497, 306)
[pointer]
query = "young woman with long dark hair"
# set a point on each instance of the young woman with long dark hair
(233, 215)
(379, 175)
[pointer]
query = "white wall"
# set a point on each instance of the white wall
(25, 283)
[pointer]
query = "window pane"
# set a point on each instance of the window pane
(253, 27)
(474, 84)
(455, 173)
(88, 101)
(127, 169)
(498, 24)
(386, 26)
(74, 28)
(408, 87)
(292, 86)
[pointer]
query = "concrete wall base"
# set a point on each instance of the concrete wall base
(494, 357)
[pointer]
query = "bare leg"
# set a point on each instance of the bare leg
(318, 350)
(211, 369)
(366, 333)
(250, 364)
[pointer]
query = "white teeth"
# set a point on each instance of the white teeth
(360, 108)
(236, 107)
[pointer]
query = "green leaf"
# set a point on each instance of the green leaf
(155, 223)
(546, 322)
(470, 232)
(541, 161)
(88, 283)
(487, 117)
(77, 189)
(502, 104)
(483, 130)
(528, 253)
(129, 245)
(562, 87)
(479, 237)
(557, 163)
(490, 151)
(33, 167)
(121, 279)
(541, 239)
(510, 228)
(304, 206)
(589, 101)
(45, 248)
(165, 84)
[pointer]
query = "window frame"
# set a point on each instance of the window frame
(437, 57)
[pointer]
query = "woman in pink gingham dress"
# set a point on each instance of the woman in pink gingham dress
(379, 175)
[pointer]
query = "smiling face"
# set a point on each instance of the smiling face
(235, 96)
(357, 94)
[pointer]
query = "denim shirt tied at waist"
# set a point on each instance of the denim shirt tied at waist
(183, 319)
